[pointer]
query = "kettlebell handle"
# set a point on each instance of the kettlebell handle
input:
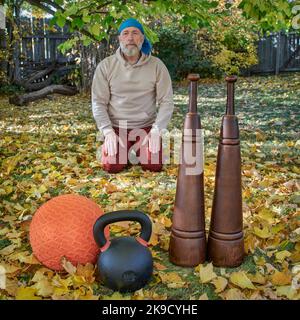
(121, 215)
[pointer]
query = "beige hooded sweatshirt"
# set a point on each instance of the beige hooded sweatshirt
(121, 91)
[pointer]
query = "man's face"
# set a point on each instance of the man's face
(131, 40)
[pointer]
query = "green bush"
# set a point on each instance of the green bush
(9, 89)
(180, 52)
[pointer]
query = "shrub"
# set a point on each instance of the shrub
(180, 52)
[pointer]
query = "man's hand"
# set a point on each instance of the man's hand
(110, 143)
(154, 140)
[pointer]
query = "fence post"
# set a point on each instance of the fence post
(3, 64)
(278, 53)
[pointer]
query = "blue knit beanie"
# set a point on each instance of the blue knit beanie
(131, 22)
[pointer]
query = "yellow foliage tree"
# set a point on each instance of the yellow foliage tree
(231, 42)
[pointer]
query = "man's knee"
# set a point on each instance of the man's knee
(152, 167)
(113, 168)
(111, 164)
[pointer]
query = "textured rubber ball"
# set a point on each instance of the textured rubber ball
(63, 227)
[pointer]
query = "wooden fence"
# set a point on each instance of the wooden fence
(277, 53)
(38, 45)
(38, 48)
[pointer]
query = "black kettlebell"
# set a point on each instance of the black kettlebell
(125, 263)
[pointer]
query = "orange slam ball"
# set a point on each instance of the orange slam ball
(63, 227)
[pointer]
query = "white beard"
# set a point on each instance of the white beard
(132, 50)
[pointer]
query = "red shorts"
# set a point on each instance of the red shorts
(132, 138)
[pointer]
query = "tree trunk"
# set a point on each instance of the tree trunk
(41, 79)
(16, 49)
(3, 63)
(21, 100)
(10, 67)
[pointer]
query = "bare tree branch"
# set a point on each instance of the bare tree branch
(41, 6)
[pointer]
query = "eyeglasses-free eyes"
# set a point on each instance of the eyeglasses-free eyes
(127, 33)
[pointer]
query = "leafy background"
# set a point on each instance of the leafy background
(49, 148)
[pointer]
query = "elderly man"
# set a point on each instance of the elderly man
(126, 87)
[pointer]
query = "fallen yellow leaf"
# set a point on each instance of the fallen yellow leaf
(172, 279)
(250, 243)
(78, 281)
(262, 233)
(40, 274)
(8, 249)
(11, 286)
(87, 272)
(154, 207)
(165, 221)
(241, 280)
(71, 181)
(257, 278)
(11, 162)
(68, 266)
(61, 286)
(19, 207)
(256, 296)
(206, 273)
(88, 296)
(203, 297)
(233, 294)
(110, 188)
(280, 278)
(44, 288)
(281, 255)
(260, 261)
(25, 257)
(286, 291)
(154, 239)
(10, 268)
(2, 277)
(295, 257)
(260, 136)
(220, 283)
(159, 266)
(27, 293)
(277, 228)
(267, 215)
(4, 231)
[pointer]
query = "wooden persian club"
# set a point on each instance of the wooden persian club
(225, 240)
(188, 242)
